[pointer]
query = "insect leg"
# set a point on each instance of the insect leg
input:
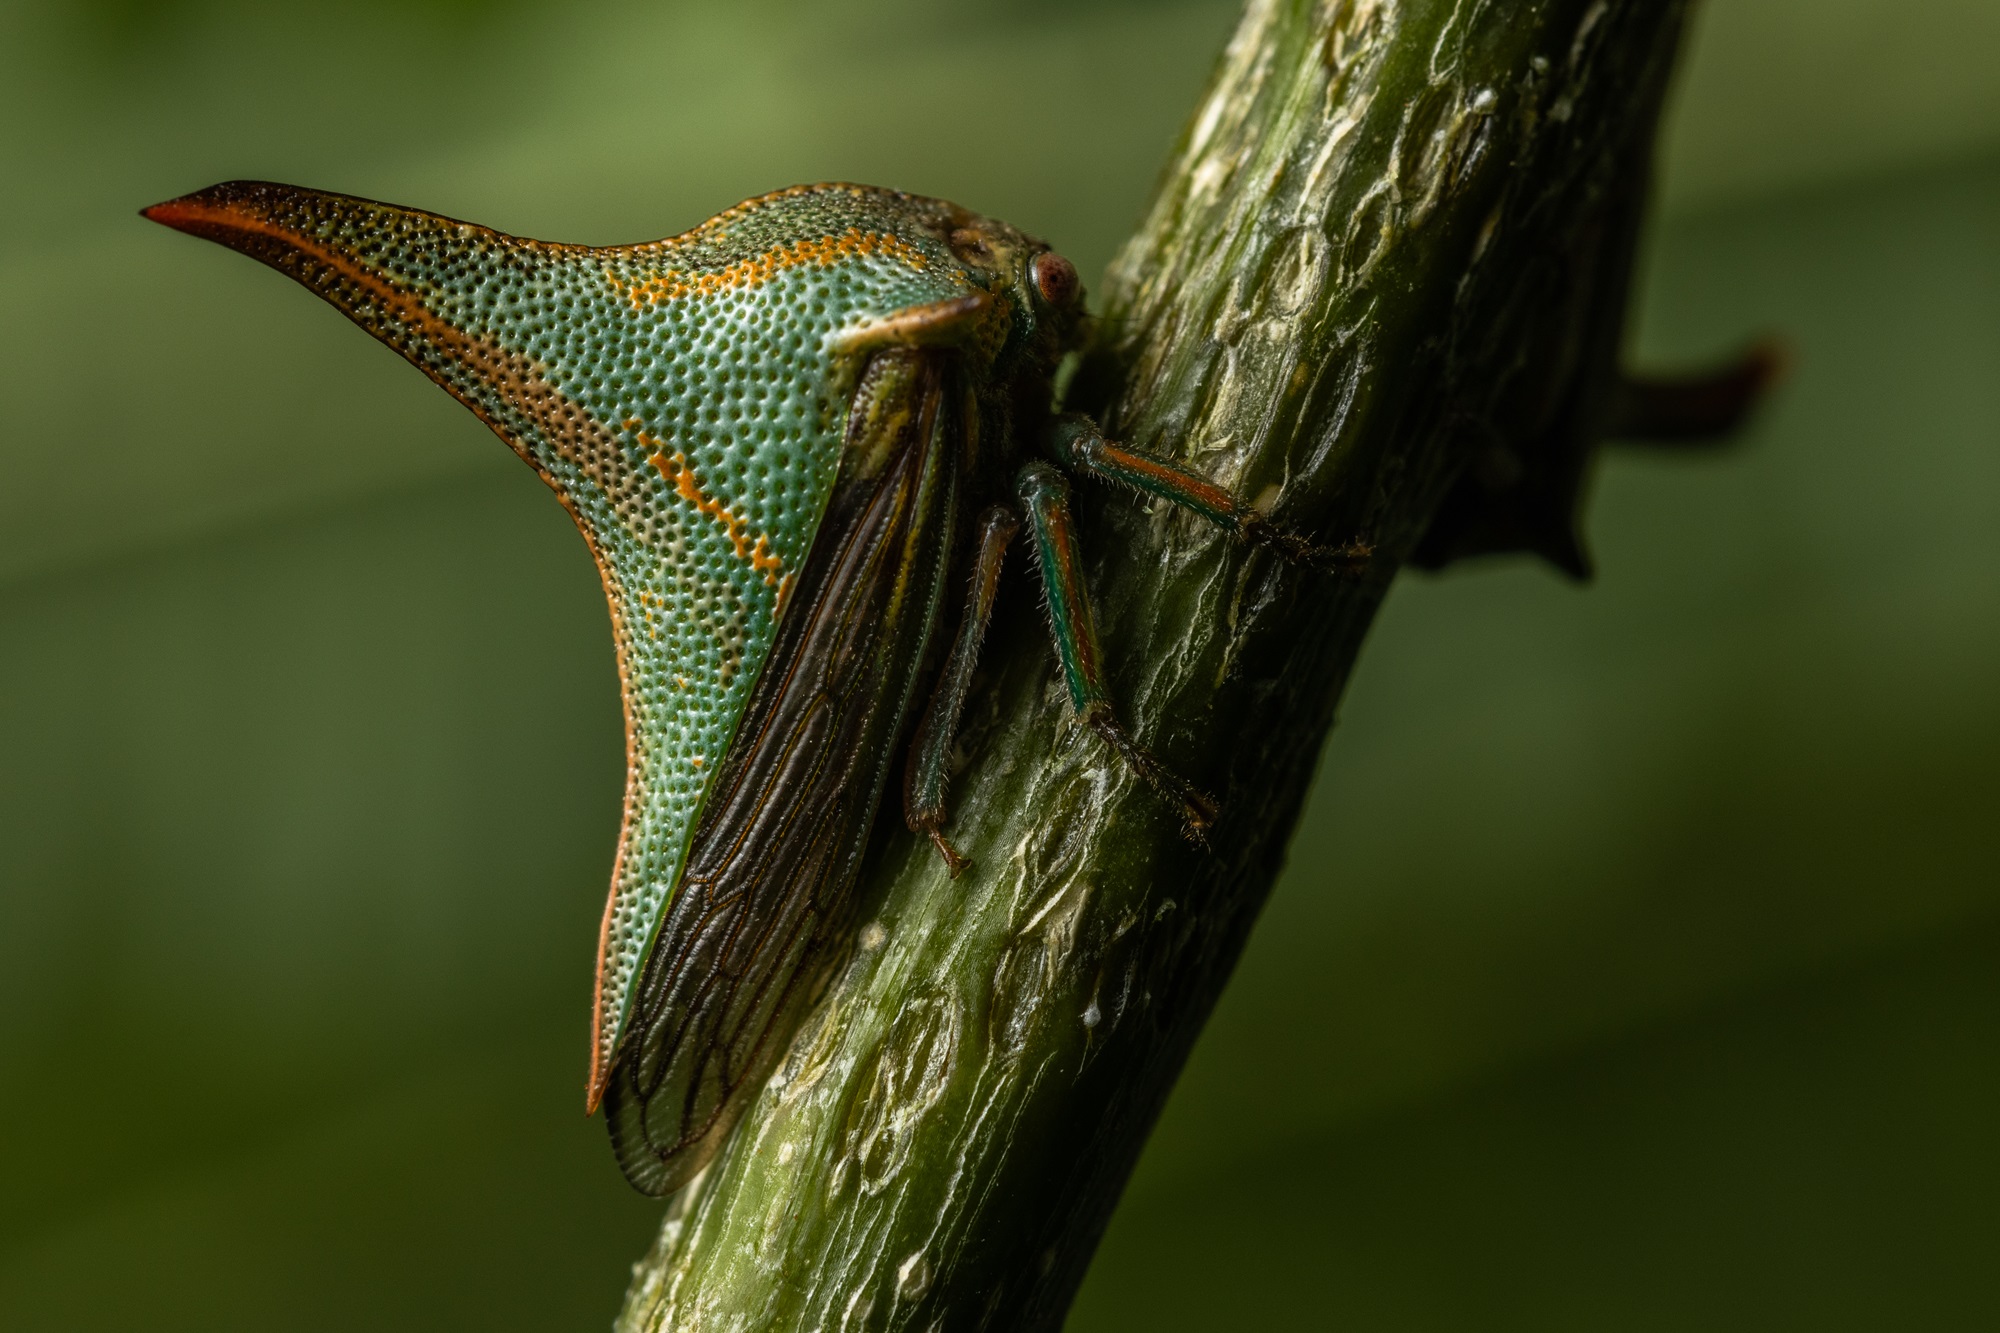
(1046, 495)
(1694, 409)
(1077, 443)
(930, 752)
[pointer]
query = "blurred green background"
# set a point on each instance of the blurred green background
(1638, 963)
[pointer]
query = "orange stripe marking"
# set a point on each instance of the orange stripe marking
(673, 465)
(823, 251)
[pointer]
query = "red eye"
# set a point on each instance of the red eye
(1055, 279)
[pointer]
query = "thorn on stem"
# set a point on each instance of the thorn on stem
(1696, 409)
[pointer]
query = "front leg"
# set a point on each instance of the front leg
(1077, 443)
(929, 771)
(1045, 495)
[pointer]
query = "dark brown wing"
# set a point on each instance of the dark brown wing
(765, 907)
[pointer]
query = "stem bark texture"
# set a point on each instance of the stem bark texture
(1390, 254)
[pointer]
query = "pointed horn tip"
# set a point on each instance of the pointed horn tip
(202, 209)
(176, 213)
(232, 204)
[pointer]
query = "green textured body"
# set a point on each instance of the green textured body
(684, 398)
(773, 431)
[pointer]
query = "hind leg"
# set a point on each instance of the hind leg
(1076, 443)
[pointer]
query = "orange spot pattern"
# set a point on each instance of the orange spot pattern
(824, 251)
(673, 465)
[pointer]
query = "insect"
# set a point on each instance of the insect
(799, 440)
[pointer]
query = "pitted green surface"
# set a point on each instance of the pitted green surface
(682, 397)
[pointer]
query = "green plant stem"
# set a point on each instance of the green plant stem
(1393, 246)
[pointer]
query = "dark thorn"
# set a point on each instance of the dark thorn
(1695, 409)
(1561, 545)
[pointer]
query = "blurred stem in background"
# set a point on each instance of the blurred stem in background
(1386, 272)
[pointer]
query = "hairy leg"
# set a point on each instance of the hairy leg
(1076, 443)
(1045, 494)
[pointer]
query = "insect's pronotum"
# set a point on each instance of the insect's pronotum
(799, 440)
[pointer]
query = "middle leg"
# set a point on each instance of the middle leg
(1045, 494)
